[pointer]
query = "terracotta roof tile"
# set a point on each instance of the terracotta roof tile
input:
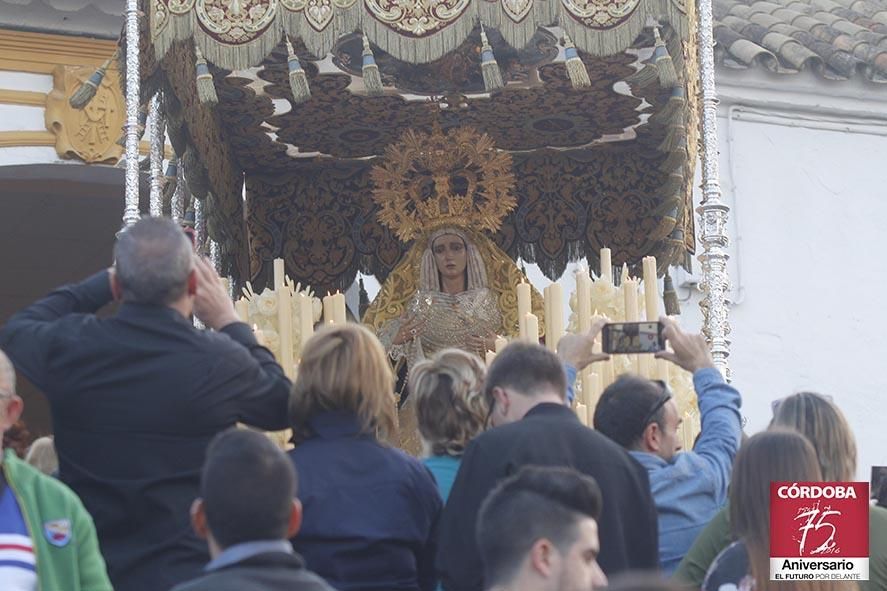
(838, 39)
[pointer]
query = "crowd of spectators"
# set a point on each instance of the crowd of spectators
(158, 478)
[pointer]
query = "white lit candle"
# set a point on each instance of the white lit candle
(524, 306)
(583, 300)
(328, 305)
(630, 293)
(546, 303)
(285, 329)
(531, 324)
(490, 357)
(606, 265)
(306, 318)
(595, 392)
(339, 316)
(554, 321)
(651, 289)
(279, 274)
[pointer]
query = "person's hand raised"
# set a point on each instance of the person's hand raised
(212, 305)
(691, 352)
(578, 349)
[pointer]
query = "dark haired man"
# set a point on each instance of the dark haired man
(136, 397)
(537, 531)
(526, 390)
(689, 487)
(247, 511)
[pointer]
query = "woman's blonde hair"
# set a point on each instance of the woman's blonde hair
(775, 455)
(824, 425)
(344, 368)
(450, 406)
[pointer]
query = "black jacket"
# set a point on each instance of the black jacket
(272, 571)
(549, 435)
(135, 399)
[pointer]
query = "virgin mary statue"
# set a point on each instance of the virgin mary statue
(454, 287)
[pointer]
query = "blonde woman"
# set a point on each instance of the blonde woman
(451, 410)
(370, 510)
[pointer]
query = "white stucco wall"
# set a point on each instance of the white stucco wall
(803, 166)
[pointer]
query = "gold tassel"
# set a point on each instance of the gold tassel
(206, 88)
(673, 184)
(643, 77)
(575, 66)
(672, 109)
(676, 159)
(672, 306)
(668, 76)
(488, 66)
(298, 79)
(169, 181)
(86, 91)
(372, 79)
(675, 137)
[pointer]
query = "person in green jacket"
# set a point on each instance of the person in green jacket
(46, 531)
(816, 417)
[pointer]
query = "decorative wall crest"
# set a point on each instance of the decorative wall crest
(89, 134)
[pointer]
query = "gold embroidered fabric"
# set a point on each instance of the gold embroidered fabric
(450, 320)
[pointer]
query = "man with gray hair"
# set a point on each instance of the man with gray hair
(137, 397)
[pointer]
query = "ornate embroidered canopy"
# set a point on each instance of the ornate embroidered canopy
(236, 34)
(603, 164)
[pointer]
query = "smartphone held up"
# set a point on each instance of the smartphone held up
(633, 337)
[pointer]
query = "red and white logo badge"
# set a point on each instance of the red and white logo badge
(819, 531)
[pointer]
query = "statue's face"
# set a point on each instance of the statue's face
(450, 255)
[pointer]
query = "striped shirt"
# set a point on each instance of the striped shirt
(18, 564)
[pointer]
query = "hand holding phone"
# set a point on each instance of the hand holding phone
(633, 337)
(690, 351)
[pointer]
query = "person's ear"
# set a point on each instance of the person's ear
(502, 400)
(295, 519)
(542, 558)
(198, 519)
(12, 411)
(192, 282)
(652, 437)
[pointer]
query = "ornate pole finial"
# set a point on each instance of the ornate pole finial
(713, 211)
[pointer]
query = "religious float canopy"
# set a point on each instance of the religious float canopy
(280, 109)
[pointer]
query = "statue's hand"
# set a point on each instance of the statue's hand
(410, 329)
(480, 344)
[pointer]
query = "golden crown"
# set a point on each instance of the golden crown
(453, 178)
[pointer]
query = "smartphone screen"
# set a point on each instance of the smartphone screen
(633, 337)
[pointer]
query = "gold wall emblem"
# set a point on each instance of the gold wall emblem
(90, 134)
